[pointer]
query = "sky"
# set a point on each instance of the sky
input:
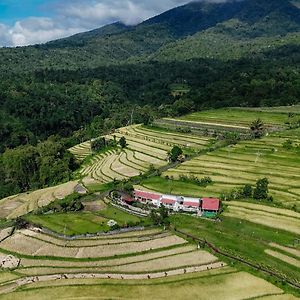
(27, 22)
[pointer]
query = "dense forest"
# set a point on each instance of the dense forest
(81, 87)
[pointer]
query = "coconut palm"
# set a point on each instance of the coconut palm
(258, 128)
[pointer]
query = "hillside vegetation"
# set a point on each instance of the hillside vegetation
(239, 53)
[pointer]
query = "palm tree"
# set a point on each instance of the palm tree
(258, 128)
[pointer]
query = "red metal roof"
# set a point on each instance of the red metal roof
(193, 204)
(147, 195)
(210, 204)
(168, 201)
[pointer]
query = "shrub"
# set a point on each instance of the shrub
(175, 153)
(123, 142)
(288, 144)
(261, 190)
(247, 191)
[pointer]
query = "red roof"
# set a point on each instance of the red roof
(168, 201)
(193, 204)
(147, 195)
(128, 199)
(210, 204)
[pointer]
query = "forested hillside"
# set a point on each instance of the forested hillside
(239, 53)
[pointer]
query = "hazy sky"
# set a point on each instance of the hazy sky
(24, 22)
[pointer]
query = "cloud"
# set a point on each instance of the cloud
(38, 30)
(73, 16)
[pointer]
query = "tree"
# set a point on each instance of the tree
(175, 153)
(258, 128)
(164, 215)
(123, 142)
(261, 190)
(247, 191)
(98, 144)
(128, 188)
(160, 216)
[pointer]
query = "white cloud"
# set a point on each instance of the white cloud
(38, 30)
(73, 16)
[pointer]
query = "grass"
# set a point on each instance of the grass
(71, 223)
(84, 222)
(240, 238)
(6, 276)
(119, 216)
(101, 187)
(209, 285)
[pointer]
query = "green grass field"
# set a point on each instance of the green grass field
(71, 223)
(83, 222)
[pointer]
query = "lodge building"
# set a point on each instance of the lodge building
(207, 207)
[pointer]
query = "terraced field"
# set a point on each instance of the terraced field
(146, 147)
(133, 263)
(136, 254)
(248, 161)
(19, 205)
(206, 285)
(243, 117)
(265, 215)
(81, 151)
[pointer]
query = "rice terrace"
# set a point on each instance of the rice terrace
(147, 222)
(155, 157)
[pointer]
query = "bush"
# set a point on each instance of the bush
(98, 144)
(247, 191)
(205, 181)
(123, 142)
(261, 190)
(175, 153)
(70, 203)
(288, 144)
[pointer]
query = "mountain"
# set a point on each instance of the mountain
(227, 30)
(81, 39)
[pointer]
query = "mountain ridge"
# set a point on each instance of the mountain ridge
(117, 43)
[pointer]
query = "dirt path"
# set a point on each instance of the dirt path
(13, 285)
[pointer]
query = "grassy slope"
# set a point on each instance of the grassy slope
(242, 238)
